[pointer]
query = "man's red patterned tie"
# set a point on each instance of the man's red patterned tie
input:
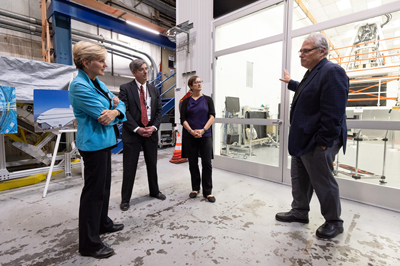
(143, 109)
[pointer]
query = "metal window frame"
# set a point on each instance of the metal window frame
(348, 187)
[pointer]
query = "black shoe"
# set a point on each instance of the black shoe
(160, 196)
(124, 206)
(288, 217)
(104, 252)
(210, 198)
(193, 195)
(329, 231)
(115, 228)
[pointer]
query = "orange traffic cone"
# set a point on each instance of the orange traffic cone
(177, 157)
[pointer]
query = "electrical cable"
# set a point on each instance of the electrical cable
(388, 18)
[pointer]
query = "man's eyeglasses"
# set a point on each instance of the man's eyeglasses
(142, 69)
(198, 82)
(306, 51)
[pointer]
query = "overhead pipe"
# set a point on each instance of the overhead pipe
(102, 39)
(19, 30)
(37, 31)
(20, 17)
(21, 26)
(153, 68)
(108, 48)
(162, 7)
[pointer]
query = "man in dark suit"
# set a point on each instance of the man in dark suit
(318, 130)
(143, 113)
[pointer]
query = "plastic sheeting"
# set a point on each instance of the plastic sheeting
(27, 75)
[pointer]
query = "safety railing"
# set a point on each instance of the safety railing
(358, 64)
(341, 59)
(168, 104)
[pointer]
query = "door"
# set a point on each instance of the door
(248, 56)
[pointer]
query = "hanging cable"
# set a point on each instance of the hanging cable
(388, 18)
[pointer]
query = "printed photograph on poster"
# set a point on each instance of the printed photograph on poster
(8, 110)
(52, 110)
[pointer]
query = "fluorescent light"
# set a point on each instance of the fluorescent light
(396, 42)
(343, 5)
(142, 27)
(373, 4)
(397, 33)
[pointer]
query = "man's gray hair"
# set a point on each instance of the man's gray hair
(319, 40)
(136, 64)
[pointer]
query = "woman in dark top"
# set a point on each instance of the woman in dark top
(197, 116)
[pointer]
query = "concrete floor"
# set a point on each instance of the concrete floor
(239, 229)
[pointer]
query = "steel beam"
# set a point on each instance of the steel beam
(62, 38)
(41, 170)
(107, 22)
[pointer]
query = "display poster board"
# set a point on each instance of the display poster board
(8, 110)
(52, 110)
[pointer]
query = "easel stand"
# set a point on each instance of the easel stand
(4, 174)
(67, 158)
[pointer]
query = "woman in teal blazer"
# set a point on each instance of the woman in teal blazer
(97, 111)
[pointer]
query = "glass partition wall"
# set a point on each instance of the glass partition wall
(252, 105)
(247, 95)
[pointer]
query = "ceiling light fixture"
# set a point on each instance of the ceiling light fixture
(142, 27)
(343, 5)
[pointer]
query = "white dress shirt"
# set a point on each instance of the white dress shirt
(147, 99)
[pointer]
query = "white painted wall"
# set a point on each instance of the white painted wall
(198, 12)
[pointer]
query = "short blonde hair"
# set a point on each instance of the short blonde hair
(87, 50)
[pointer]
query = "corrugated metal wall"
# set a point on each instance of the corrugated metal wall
(200, 13)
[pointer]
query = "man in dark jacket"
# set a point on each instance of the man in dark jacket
(318, 130)
(143, 113)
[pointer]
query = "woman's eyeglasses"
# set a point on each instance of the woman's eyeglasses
(198, 82)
